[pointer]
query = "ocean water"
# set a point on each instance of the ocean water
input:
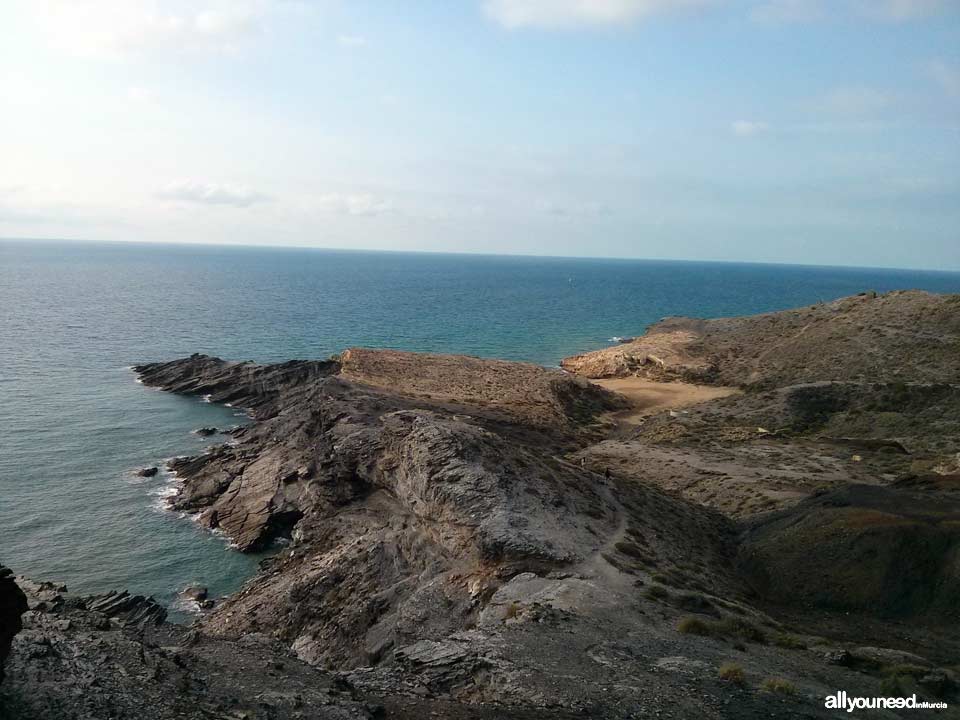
(75, 426)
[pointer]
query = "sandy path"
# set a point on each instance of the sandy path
(648, 397)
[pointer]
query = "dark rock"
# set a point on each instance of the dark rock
(206, 431)
(130, 610)
(937, 682)
(148, 471)
(13, 603)
(839, 657)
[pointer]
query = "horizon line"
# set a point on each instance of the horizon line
(472, 253)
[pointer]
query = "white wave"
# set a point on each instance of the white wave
(186, 606)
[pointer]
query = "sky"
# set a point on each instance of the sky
(799, 131)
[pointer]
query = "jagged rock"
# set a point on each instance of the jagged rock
(839, 657)
(130, 610)
(206, 431)
(148, 471)
(441, 664)
(13, 603)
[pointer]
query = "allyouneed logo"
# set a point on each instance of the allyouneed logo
(842, 701)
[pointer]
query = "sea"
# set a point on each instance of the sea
(74, 317)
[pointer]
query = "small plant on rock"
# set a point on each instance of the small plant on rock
(779, 686)
(732, 672)
(690, 625)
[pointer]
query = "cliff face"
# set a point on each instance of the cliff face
(323, 441)
(13, 603)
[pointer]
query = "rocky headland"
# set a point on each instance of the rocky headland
(474, 538)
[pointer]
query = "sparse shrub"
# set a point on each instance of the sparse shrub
(732, 673)
(728, 627)
(739, 627)
(657, 592)
(789, 641)
(513, 609)
(778, 685)
(690, 625)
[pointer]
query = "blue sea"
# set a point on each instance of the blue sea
(75, 426)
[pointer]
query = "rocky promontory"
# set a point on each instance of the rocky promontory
(474, 538)
(900, 336)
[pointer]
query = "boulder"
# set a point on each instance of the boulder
(148, 471)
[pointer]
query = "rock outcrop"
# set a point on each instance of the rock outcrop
(871, 337)
(13, 603)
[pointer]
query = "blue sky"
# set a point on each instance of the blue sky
(810, 131)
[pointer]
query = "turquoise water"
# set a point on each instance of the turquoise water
(74, 426)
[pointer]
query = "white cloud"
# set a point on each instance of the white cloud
(358, 204)
(111, 27)
(900, 10)
(571, 13)
(7, 191)
(747, 128)
(946, 76)
(351, 41)
(139, 94)
(788, 11)
(211, 194)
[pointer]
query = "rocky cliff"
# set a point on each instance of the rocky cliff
(474, 538)
(13, 604)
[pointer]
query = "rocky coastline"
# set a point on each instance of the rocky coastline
(474, 538)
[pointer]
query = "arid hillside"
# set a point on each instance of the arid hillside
(900, 336)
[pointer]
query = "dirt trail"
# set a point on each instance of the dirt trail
(648, 397)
